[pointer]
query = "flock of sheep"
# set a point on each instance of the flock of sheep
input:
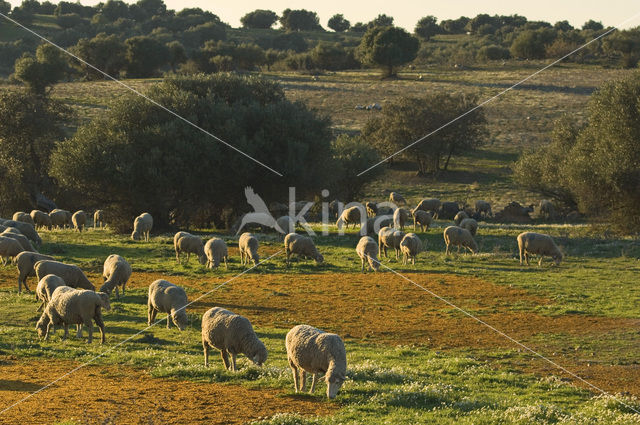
(68, 297)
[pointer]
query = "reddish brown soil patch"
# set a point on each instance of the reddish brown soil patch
(100, 395)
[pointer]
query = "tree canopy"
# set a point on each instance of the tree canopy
(42, 71)
(259, 18)
(338, 23)
(300, 20)
(387, 47)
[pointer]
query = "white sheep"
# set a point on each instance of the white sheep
(460, 215)
(9, 249)
(142, 226)
(470, 224)
(25, 262)
(216, 251)
(79, 220)
(71, 273)
(367, 250)
(302, 246)
(538, 244)
(41, 218)
(60, 218)
(248, 246)
(400, 217)
(69, 306)
(310, 350)
(389, 238)
(351, 215)
(13, 233)
(116, 272)
(483, 208)
(547, 210)
(232, 334)
(26, 229)
(184, 242)
(98, 218)
(397, 199)
(165, 297)
(285, 225)
(23, 217)
(411, 246)
(431, 205)
(457, 236)
(421, 218)
(372, 209)
(45, 288)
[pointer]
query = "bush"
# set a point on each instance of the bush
(493, 53)
(531, 44)
(259, 18)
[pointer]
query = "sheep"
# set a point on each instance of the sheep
(142, 227)
(232, 334)
(334, 206)
(350, 215)
(216, 250)
(285, 224)
(302, 246)
(248, 246)
(422, 218)
(98, 219)
(470, 224)
(454, 235)
(41, 218)
(431, 205)
(26, 229)
(9, 248)
(400, 217)
(397, 199)
(460, 215)
(448, 210)
(374, 224)
(60, 218)
(116, 272)
(547, 210)
(411, 246)
(372, 209)
(45, 288)
(165, 297)
(483, 208)
(314, 351)
(22, 240)
(538, 244)
(25, 262)
(184, 242)
(367, 251)
(72, 274)
(69, 306)
(389, 238)
(23, 217)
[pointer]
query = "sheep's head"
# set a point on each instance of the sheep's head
(202, 258)
(104, 300)
(260, 356)
(41, 326)
(334, 382)
(319, 258)
(180, 319)
(557, 258)
(135, 235)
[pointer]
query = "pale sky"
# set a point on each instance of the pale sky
(408, 12)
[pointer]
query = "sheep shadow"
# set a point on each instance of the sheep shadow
(15, 385)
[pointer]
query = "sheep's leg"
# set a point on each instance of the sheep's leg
(168, 320)
(100, 324)
(540, 262)
(188, 256)
(123, 285)
(294, 369)
(41, 306)
(226, 266)
(205, 347)
(362, 259)
(526, 257)
(313, 383)
(66, 332)
(89, 325)
(117, 294)
(225, 358)
(79, 331)
(49, 329)
(303, 379)
(150, 314)
(233, 362)
(520, 251)
(177, 256)
(413, 260)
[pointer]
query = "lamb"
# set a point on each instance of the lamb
(184, 242)
(367, 250)
(248, 246)
(142, 227)
(41, 219)
(372, 209)
(26, 229)
(216, 250)
(400, 217)
(285, 224)
(45, 288)
(232, 334)
(422, 218)
(431, 205)
(547, 210)
(302, 246)
(69, 306)
(389, 238)
(454, 235)
(470, 224)
(538, 244)
(165, 297)
(25, 262)
(22, 240)
(71, 274)
(9, 248)
(314, 351)
(397, 199)
(23, 217)
(411, 246)
(460, 215)
(483, 208)
(60, 218)
(116, 272)
(349, 216)
(98, 219)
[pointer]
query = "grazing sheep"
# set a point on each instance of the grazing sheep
(397, 199)
(421, 218)
(349, 216)
(411, 246)
(460, 215)
(286, 225)
(184, 242)
(232, 334)
(216, 251)
(72, 274)
(23, 217)
(389, 238)
(9, 248)
(98, 219)
(25, 262)
(470, 224)
(69, 306)
(248, 246)
(41, 219)
(448, 210)
(310, 350)
(367, 250)
(431, 205)
(79, 220)
(374, 224)
(165, 297)
(483, 209)
(372, 209)
(538, 244)
(302, 246)
(26, 229)
(514, 212)
(457, 236)
(60, 218)
(22, 240)
(400, 217)
(116, 272)
(45, 288)
(547, 210)
(142, 227)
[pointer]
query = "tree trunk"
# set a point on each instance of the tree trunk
(446, 164)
